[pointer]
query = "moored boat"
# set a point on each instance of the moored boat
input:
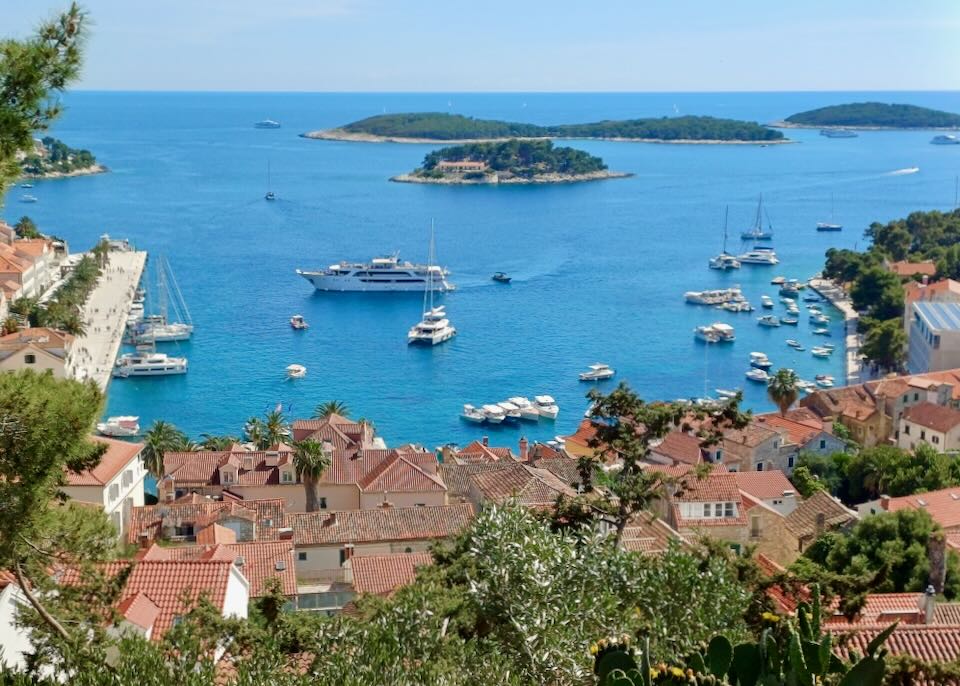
(527, 409)
(494, 414)
(768, 320)
(757, 232)
(597, 372)
(149, 364)
(766, 302)
(758, 375)
(511, 412)
(473, 414)
(298, 322)
(546, 406)
(118, 427)
(759, 255)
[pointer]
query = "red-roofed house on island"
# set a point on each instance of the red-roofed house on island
(116, 483)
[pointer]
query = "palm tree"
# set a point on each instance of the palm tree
(782, 389)
(254, 431)
(310, 460)
(324, 410)
(214, 442)
(160, 438)
(275, 428)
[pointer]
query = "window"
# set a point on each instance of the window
(343, 556)
(323, 503)
(30, 359)
(227, 477)
(776, 444)
(936, 439)
(266, 523)
(706, 509)
(301, 557)
(755, 526)
(183, 530)
(127, 478)
(916, 397)
(923, 435)
(408, 549)
(718, 510)
(906, 429)
(728, 509)
(823, 444)
(906, 398)
(287, 477)
(790, 461)
(114, 492)
(759, 466)
(421, 504)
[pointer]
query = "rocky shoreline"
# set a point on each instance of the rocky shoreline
(347, 136)
(84, 171)
(494, 180)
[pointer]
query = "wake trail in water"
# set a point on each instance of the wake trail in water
(903, 172)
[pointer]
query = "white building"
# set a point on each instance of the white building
(14, 641)
(38, 349)
(935, 425)
(934, 338)
(116, 483)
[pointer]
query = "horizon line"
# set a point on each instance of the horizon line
(498, 92)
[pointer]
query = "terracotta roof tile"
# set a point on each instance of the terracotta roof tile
(138, 609)
(680, 447)
(932, 416)
(880, 608)
(908, 269)
(798, 433)
(802, 522)
(457, 476)
(650, 535)
(943, 506)
(384, 574)
(714, 487)
(930, 642)
(379, 525)
(119, 454)
(529, 486)
(763, 485)
(40, 336)
(150, 520)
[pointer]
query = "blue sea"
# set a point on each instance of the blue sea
(599, 269)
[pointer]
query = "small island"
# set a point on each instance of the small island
(515, 161)
(873, 115)
(436, 127)
(52, 159)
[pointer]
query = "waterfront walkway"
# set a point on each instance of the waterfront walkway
(855, 372)
(105, 316)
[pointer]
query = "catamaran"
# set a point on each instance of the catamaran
(757, 233)
(149, 364)
(724, 260)
(159, 328)
(434, 328)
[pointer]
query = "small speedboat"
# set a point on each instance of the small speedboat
(789, 321)
(778, 280)
(812, 299)
(821, 332)
(298, 322)
(758, 375)
(28, 198)
(828, 346)
(500, 277)
(119, 426)
(296, 371)
(727, 392)
(768, 320)
(597, 372)
(270, 195)
(267, 124)
(473, 414)
(826, 382)
(766, 302)
(817, 318)
(792, 343)
(26, 185)
(820, 352)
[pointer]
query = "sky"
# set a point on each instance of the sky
(512, 45)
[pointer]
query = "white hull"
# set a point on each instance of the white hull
(400, 282)
(156, 364)
(418, 337)
(126, 371)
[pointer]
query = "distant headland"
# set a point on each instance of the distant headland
(872, 115)
(514, 161)
(52, 158)
(440, 127)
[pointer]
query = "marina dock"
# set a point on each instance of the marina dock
(852, 340)
(105, 315)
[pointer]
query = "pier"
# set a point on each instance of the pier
(105, 315)
(854, 371)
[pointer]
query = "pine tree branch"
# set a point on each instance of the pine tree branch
(37, 605)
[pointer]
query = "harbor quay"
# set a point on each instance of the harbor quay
(105, 315)
(854, 369)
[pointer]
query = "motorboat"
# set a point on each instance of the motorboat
(734, 306)
(726, 332)
(706, 334)
(793, 343)
(758, 375)
(945, 140)
(723, 262)
(819, 319)
(812, 298)
(511, 411)
(267, 124)
(527, 409)
(473, 414)
(778, 280)
(826, 382)
(799, 348)
(500, 277)
(494, 414)
(790, 291)
(149, 364)
(714, 297)
(789, 321)
(828, 346)
(26, 185)
(766, 302)
(762, 363)
(269, 195)
(298, 322)
(597, 372)
(546, 406)
(768, 320)
(296, 371)
(727, 392)
(821, 332)
(829, 226)
(381, 274)
(820, 352)
(759, 255)
(757, 232)
(119, 427)
(28, 198)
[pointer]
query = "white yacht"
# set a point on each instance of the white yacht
(267, 124)
(727, 392)
(819, 352)
(164, 333)
(766, 302)
(759, 256)
(382, 274)
(494, 414)
(149, 364)
(527, 409)
(598, 372)
(433, 329)
(768, 320)
(296, 371)
(758, 375)
(726, 332)
(118, 427)
(473, 414)
(714, 297)
(546, 406)
(945, 140)
(706, 334)
(724, 260)
(757, 232)
(511, 411)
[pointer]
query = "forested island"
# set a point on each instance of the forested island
(512, 161)
(430, 127)
(52, 158)
(874, 115)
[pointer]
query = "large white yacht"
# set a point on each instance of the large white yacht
(433, 329)
(163, 333)
(494, 414)
(546, 406)
(527, 409)
(381, 274)
(759, 256)
(149, 364)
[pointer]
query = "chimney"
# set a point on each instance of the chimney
(348, 551)
(821, 522)
(144, 539)
(925, 279)
(929, 604)
(331, 519)
(285, 533)
(523, 448)
(937, 555)
(884, 502)
(386, 505)
(485, 440)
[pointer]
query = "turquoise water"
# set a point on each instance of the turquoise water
(599, 269)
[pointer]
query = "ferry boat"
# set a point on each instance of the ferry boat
(945, 140)
(598, 372)
(757, 233)
(546, 406)
(298, 322)
(267, 124)
(473, 414)
(758, 255)
(119, 427)
(381, 274)
(149, 364)
(527, 409)
(838, 133)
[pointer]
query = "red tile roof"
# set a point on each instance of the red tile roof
(384, 574)
(267, 516)
(714, 487)
(527, 485)
(476, 451)
(763, 485)
(138, 609)
(649, 535)
(118, 456)
(40, 336)
(943, 506)
(880, 608)
(932, 416)
(929, 642)
(380, 525)
(802, 522)
(785, 599)
(908, 269)
(798, 433)
(680, 447)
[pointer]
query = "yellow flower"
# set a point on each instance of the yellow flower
(594, 649)
(770, 617)
(676, 671)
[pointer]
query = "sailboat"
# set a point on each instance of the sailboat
(270, 194)
(434, 328)
(724, 260)
(757, 233)
(159, 328)
(829, 226)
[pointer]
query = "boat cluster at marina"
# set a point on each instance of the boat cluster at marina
(515, 409)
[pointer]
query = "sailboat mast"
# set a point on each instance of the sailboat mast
(429, 292)
(726, 216)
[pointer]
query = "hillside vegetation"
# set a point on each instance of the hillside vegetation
(877, 114)
(444, 127)
(53, 156)
(519, 157)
